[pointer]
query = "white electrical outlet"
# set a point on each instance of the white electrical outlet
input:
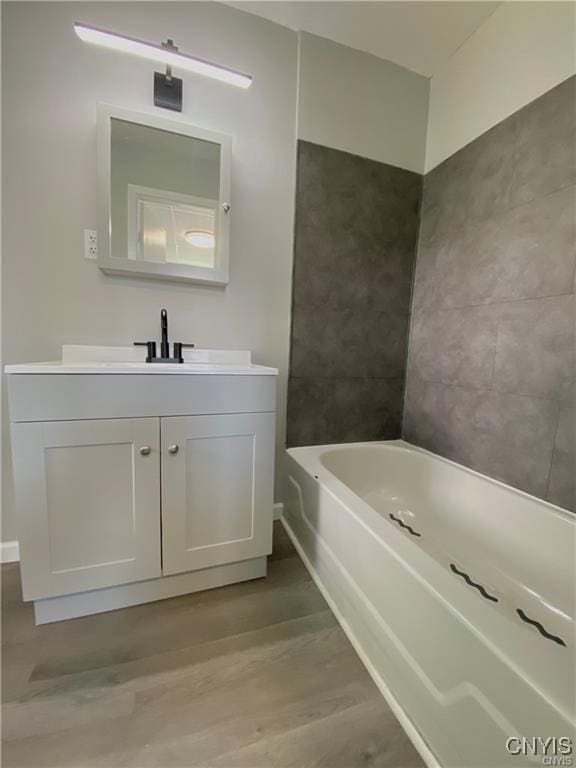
(90, 244)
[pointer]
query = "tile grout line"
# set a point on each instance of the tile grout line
(478, 222)
(553, 452)
(453, 385)
(491, 385)
(502, 302)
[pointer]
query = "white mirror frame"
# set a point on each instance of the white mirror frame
(219, 275)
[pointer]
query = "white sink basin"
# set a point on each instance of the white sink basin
(132, 360)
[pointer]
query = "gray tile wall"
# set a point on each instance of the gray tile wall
(355, 240)
(490, 379)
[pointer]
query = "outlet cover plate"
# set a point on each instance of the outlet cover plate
(90, 244)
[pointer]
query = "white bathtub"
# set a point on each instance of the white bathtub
(436, 573)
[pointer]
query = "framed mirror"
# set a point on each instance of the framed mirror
(164, 198)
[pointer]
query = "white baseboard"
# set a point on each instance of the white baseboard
(278, 509)
(9, 552)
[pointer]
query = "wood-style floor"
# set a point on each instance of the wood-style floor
(254, 675)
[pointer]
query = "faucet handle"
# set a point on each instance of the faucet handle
(151, 349)
(178, 346)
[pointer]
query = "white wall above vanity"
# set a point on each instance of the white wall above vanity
(137, 481)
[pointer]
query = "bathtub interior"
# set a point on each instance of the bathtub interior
(525, 549)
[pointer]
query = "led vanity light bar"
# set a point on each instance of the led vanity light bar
(162, 54)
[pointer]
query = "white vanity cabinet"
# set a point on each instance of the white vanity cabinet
(138, 483)
(88, 503)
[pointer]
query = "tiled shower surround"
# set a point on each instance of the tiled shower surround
(490, 377)
(355, 241)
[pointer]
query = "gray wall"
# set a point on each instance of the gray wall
(490, 378)
(355, 237)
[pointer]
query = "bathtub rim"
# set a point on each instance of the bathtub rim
(304, 450)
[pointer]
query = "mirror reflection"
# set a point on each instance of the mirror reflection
(164, 196)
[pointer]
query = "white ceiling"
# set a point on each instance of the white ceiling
(417, 35)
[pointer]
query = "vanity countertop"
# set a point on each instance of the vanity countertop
(78, 359)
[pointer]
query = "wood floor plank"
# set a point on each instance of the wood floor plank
(226, 656)
(47, 716)
(168, 711)
(254, 674)
(245, 729)
(362, 735)
(197, 625)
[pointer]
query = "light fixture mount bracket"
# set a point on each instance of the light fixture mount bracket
(167, 88)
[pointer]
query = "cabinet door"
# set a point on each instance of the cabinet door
(88, 501)
(217, 486)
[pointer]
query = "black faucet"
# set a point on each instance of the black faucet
(164, 345)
